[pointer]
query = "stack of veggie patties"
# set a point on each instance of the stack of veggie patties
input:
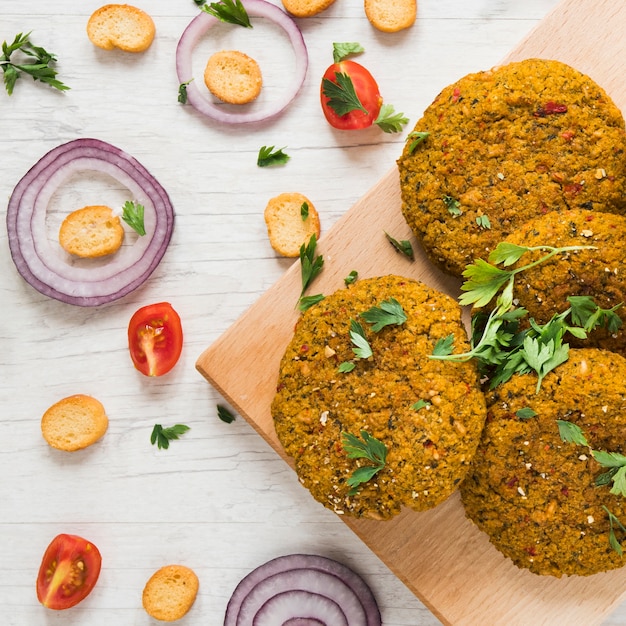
(500, 147)
(372, 422)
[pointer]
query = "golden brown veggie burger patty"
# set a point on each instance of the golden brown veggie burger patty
(504, 146)
(428, 413)
(536, 495)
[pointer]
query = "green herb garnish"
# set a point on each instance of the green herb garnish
(345, 49)
(416, 138)
(304, 211)
(526, 413)
(402, 246)
(36, 63)
(311, 264)
(346, 367)
(387, 313)
(484, 279)
(225, 414)
(351, 278)
(229, 11)
(483, 222)
(162, 436)
(306, 302)
(342, 96)
(614, 523)
(362, 348)
(369, 448)
(444, 346)
(453, 205)
(182, 92)
(389, 121)
(133, 216)
(420, 404)
(268, 156)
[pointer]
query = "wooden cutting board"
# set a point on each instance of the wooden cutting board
(439, 554)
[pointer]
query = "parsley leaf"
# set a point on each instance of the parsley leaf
(346, 367)
(417, 137)
(268, 156)
(403, 247)
(311, 264)
(225, 414)
(306, 302)
(483, 222)
(586, 313)
(614, 523)
(420, 404)
(342, 96)
(362, 348)
(444, 346)
(182, 92)
(133, 213)
(389, 121)
(304, 211)
(453, 205)
(229, 11)
(36, 63)
(345, 49)
(525, 413)
(351, 278)
(369, 448)
(571, 433)
(389, 312)
(162, 436)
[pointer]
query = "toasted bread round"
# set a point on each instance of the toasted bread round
(306, 8)
(391, 16)
(289, 223)
(92, 231)
(170, 592)
(74, 423)
(233, 77)
(121, 26)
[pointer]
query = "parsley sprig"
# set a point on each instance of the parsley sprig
(341, 94)
(36, 63)
(269, 156)
(368, 447)
(311, 265)
(162, 436)
(229, 11)
(388, 313)
(403, 246)
(133, 215)
(499, 343)
(613, 524)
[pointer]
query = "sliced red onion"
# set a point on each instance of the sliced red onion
(299, 587)
(202, 102)
(279, 609)
(49, 272)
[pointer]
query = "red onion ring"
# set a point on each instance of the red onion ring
(42, 267)
(201, 101)
(299, 589)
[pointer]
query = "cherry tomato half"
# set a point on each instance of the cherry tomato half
(155, 338)
(68, 572)
(349, 75)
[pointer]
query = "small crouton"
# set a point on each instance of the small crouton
(170, 592)
(306, 8)
(91, 232)
(233, 77)
(391, 16)
(291, 219)
(74, 423)
(121, 26)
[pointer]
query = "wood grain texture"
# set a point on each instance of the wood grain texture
(439, 555)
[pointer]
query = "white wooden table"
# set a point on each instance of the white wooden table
(218, 500)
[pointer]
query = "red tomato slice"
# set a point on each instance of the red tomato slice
(366, 90)
(68, 572)
(155, 338)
